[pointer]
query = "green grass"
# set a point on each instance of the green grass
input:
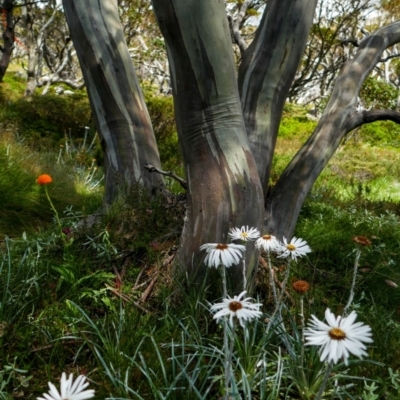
(105, 302)
(24, 205)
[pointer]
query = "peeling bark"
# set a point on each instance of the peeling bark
(223, 185)
(117, 102)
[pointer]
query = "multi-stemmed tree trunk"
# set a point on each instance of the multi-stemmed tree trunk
(120, 113)
(227, 125)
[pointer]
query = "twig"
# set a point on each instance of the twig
(148, 290)
(49, 346)
(152, 168)
(138, 279)
(126, 298)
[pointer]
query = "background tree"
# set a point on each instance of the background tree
(337, 28)
(34, 43)
(145, 43)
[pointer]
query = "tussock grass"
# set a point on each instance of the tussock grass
(23, 203)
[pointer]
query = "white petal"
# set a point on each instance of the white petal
(54, 392)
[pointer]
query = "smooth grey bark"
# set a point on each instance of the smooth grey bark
(267, 70)
(339, 118)
(117, 102)
(8, 37)
(224, 189)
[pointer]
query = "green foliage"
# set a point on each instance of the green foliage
(13, 87)
(383, 133)
(296, 126)
(24, 204)
(161, 110)
(330, 228)
(12, 381)
(378, 94)
(45, 121)
(77, 307)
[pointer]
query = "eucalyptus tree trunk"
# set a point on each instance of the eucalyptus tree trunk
(117, 102)
(224, 189)
(340, 117)
(266, 73)
(8, 37)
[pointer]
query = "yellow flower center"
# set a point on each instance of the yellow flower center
(220, 246)
(267, 237)
(235, 306)
(245, 234)
(291, 247)
(337, 334)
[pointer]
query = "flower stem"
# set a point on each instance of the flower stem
(271, 278)
(278, 306)
(353, 284)
(223, 276)
(227, 366)
(244, 270)
(228, 373)
(324, 382)
(227, 360)
(55, 214)
(302, 327)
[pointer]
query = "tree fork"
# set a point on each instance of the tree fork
(339, 118)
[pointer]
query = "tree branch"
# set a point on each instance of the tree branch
(352, 41)
(389, 57)
(234, 25)
(339, 118)
(368, 116)
(151, 168)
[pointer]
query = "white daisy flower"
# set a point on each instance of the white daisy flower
(244, 233)
(225, 254)
(296, 248)
(268, 243)
(69, 390)
(340, 337)
(243, 310)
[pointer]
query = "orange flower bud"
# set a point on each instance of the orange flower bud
(301, 286)
(44, 179)
(362, 240)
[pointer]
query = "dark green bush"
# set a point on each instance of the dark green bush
(161, 110)
(378, 94)
(44, 121)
